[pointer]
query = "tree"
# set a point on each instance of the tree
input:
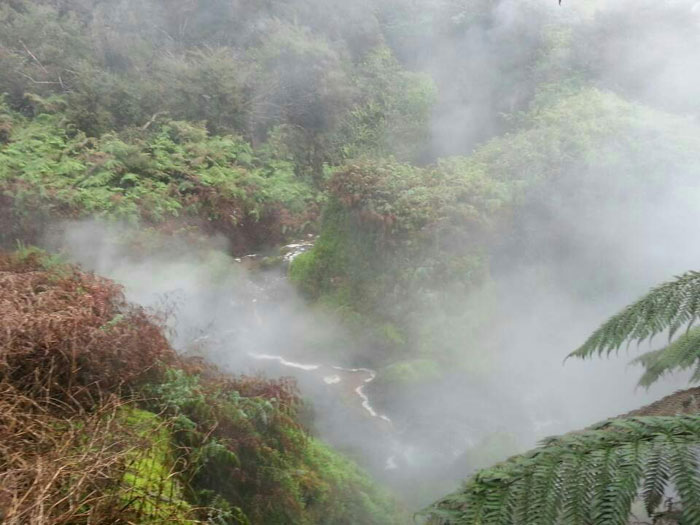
(586, 477)
(595, 475)
(670, 307)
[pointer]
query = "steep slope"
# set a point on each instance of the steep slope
(103, 422)
(437, 233)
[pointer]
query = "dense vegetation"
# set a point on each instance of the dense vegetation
(430, 145)
(433, 232)
(173, 177)
(321, 91)
(102, 422)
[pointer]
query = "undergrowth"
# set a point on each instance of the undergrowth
(173, 176)
(104, 423)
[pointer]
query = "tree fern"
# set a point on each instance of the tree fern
(683, 353)
(665, 309)
(586, 477)
(658, 473)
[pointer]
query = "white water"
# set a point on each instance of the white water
(332, 379)
(295, 249)
(284, 362)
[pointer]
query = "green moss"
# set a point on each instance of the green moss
(319, 270)
(152, 489)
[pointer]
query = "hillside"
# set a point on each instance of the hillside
(104, 423)
(316, 261)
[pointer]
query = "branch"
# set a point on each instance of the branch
(33, 56)
(40, 81)
(153, 119)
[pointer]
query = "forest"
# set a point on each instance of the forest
(370, 262)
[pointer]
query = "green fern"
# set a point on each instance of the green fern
(592, 477)
(683, 353)
(667, 308)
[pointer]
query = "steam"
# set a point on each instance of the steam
(568, 267)
(245, 321)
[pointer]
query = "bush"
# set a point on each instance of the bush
(71, 337)
(171, 177)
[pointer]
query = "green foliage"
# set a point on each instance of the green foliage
(397, 240)
(399, 214)
(683, 353)
(596, 475)
(410, 246)
(174, 173)
(149, 476)
(246, 457)
(252, 70)
(391, 114)
(201, 444)
(667, 308)
(586, 477)
(585, 137)
(345, 494)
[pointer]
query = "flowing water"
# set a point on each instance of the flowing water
(355, 379)
(324, 381)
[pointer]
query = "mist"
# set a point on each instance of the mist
(224, 311)
(569, 264)
(576, 249)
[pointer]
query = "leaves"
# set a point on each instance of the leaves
(681, 354)
(668, 308)
(586, 477)
(174, 171)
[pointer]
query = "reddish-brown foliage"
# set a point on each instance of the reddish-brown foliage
(5, 130)
(58, 470)
(71, 350)
(229, 216)
(70, 336)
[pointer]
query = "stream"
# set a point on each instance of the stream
(419, 438)
(327, 383)
(355, 378)
(245, 316)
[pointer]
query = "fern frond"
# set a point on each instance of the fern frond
(684, 472)
(681, 354)
(668, 307)
(586, 477)
(658, 474)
